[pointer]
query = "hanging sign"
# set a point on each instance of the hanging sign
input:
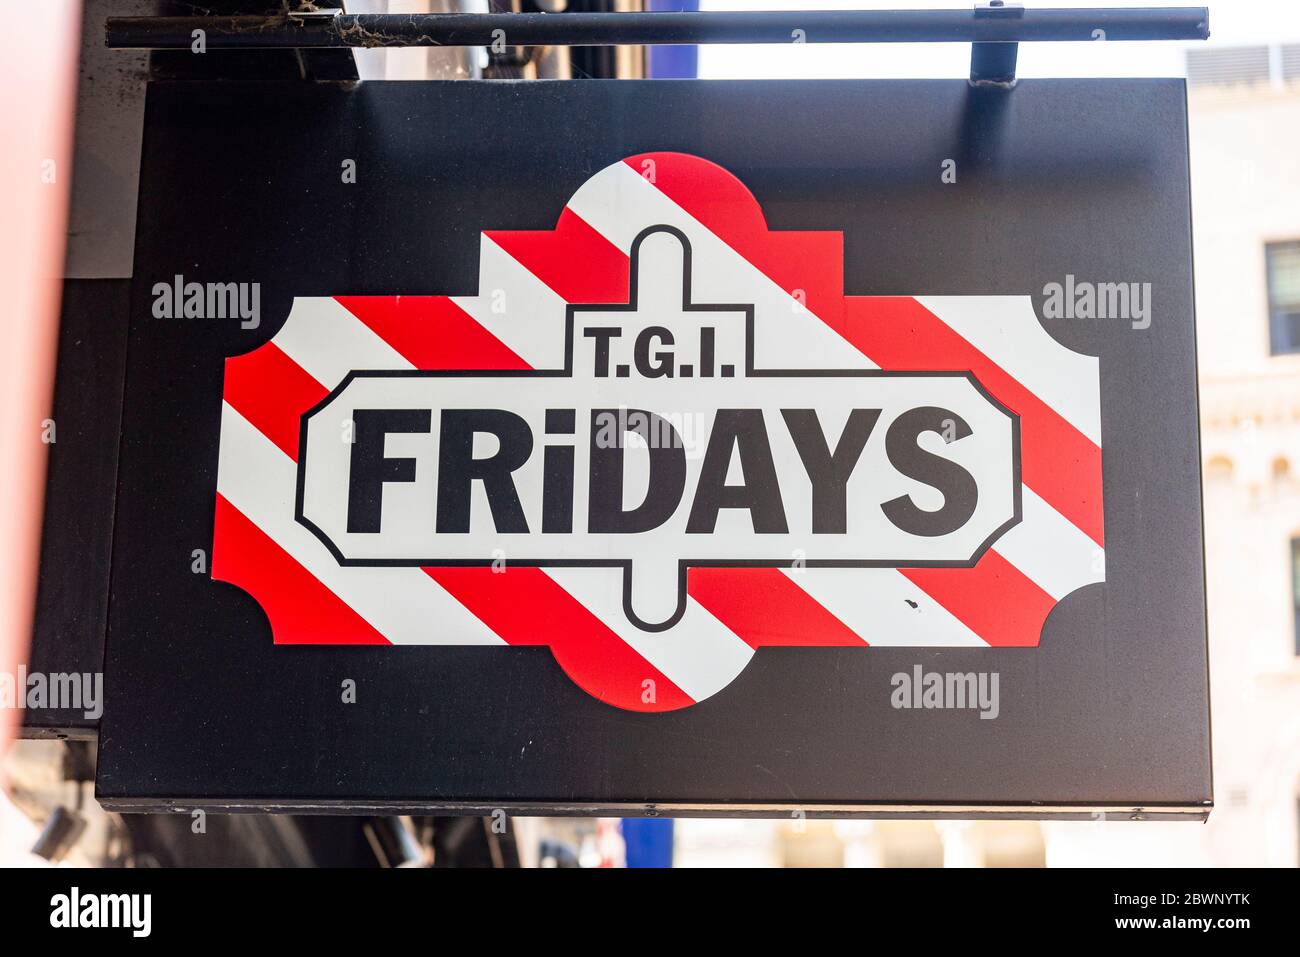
(661, 447)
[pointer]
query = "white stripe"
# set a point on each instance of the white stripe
(405, 605)
(517, 307)
(1050, 550)
(700, 655)
(619, 203)
(329, 342)
(883, 607)
(1007, 331)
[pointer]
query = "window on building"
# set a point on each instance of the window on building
(908, 844)
(1012, 843)
(1225, 66)
(1283, 296)
(1295, 589)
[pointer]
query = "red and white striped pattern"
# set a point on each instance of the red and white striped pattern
(803, 320)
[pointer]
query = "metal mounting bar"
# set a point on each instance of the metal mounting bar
(613, 29)
(994, 64)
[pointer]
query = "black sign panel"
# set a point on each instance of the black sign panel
(678, 447)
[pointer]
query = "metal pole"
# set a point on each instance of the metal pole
(609, 29)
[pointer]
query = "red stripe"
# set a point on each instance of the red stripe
(272, 392)
(574, 260)
(432, 332)
(764, 607)
(525, 606)
(994, 599)
(807, 265)
(1060, 463)
(300, 609)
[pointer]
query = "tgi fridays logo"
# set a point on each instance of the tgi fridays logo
(582, 466)
(856, 471)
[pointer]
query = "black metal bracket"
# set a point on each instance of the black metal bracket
(993, 30)
(994, 64)
(325, 65)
